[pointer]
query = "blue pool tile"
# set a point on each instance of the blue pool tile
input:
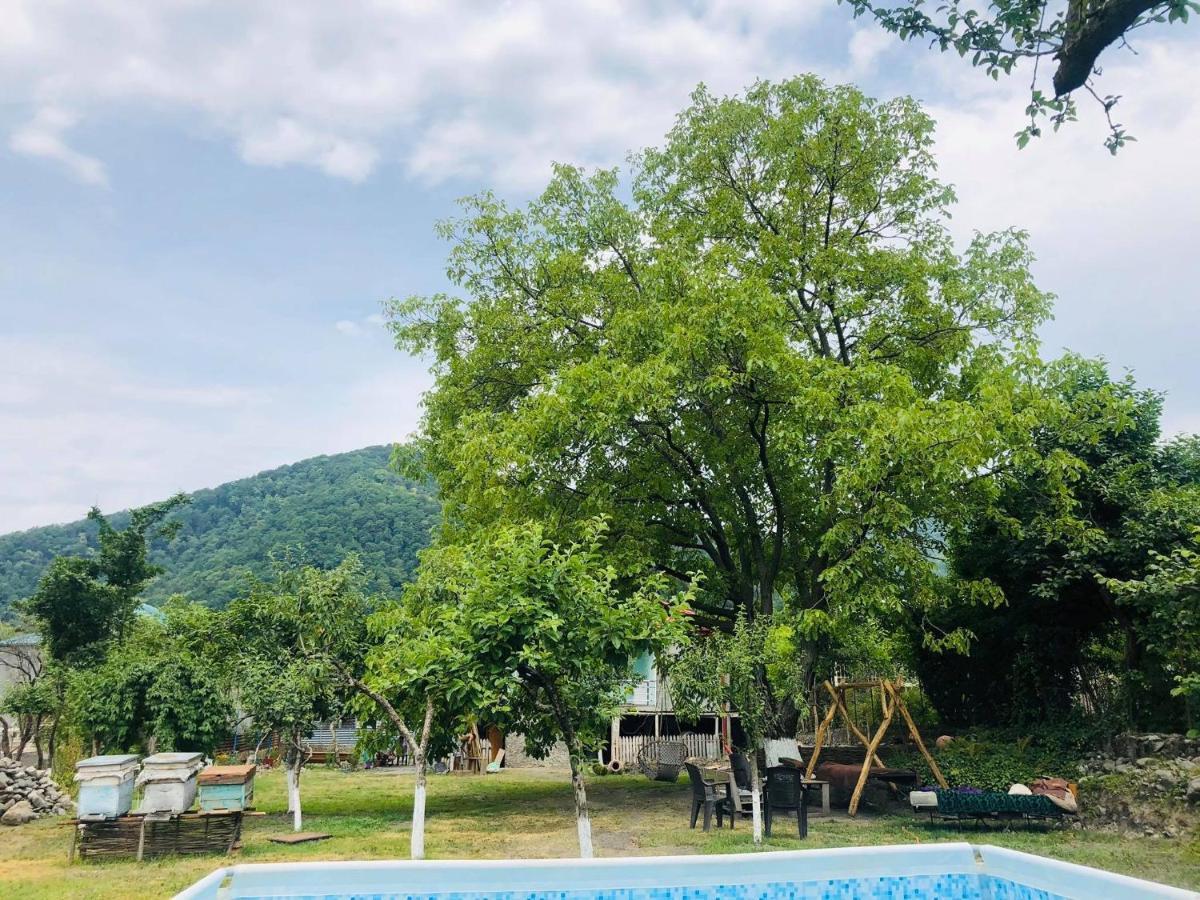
(915, 887)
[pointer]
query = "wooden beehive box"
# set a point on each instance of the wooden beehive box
(106, 785)
(227, 788)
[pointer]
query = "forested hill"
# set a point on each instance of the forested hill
(325, 508)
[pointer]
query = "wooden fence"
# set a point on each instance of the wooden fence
(706, 746)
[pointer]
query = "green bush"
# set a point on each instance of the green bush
(996, 759)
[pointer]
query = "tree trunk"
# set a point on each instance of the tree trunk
(418, 748)
(583, 823)
(37, 742)
(417, 847)
(756, 798)
(23, 734)
(53, 739)
(297, 816)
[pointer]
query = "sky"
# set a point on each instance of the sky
(204, 205)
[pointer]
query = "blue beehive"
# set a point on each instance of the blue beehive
(227, 788)
(105, 785)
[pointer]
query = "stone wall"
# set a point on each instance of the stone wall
(1147, 784)
(515, 756)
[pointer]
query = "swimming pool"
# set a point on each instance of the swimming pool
(957, 871)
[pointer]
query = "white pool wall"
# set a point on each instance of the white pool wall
(445, 876)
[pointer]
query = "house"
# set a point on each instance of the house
(650, 715)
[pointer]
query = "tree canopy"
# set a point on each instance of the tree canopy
(767, 362)
(1055, 552)
(83, 602)
(542, 635)
(153, 688)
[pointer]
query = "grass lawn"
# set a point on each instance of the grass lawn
(520, 813)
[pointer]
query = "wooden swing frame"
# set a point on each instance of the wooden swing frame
(892, 702)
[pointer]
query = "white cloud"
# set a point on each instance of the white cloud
(42, 137)
(1114, 236)
(367, 326)
(78, 427)
(867, 44)
(287, 141)
(463, 87)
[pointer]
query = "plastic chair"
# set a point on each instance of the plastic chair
(706, 797)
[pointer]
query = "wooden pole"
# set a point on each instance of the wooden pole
(898, 701)
(819, 740)
(871, 748)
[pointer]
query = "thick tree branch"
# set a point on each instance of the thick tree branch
(1088, 30)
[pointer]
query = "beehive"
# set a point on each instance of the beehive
(227, 788)
(168, 781)
(105, 785)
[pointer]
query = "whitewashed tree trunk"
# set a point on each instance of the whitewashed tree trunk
(291, 787)
(417, 850)
(756, 798)
(583, 823)
(297, 818)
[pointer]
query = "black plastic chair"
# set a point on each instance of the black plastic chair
(707, 796)
(741, 770)
(786, 790)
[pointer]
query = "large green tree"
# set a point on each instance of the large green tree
(766, 360)
(82, 602)
(1063, 632)
(1167, 599)
(152, 690)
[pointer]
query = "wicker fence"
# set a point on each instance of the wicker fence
(706, 746)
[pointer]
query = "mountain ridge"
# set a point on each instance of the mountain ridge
(319, 509)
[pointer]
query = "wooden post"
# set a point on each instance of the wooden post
(614, 742)
(819, 740)
(898, 701)
(871, 748)
(841, 703)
